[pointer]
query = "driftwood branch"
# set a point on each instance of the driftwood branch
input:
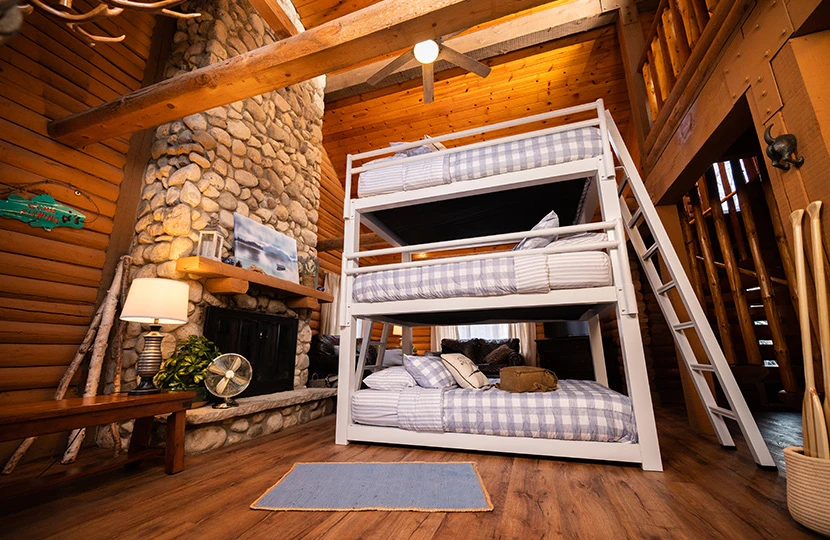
(96, 362)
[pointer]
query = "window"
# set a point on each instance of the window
(484, 331)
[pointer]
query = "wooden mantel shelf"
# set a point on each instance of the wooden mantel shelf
(226, 279)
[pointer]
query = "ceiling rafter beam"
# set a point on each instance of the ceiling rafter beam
(382, 28)
(558, 21)
(277, 15)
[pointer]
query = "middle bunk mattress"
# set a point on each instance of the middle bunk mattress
(525, 274)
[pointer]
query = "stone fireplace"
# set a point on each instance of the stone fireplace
(259, 157)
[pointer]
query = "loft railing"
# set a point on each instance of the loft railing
(677, 28)
(682, 48)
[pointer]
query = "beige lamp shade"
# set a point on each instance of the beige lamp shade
(152, 299)
(397, 330)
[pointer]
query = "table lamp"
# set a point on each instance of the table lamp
(154, 301)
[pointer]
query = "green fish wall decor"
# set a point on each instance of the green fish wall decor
(41, 211)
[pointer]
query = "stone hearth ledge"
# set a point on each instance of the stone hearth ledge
(255, 404)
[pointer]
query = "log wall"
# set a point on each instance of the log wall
(49, 281)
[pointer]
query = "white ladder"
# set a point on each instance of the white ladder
(646, 213)
(366, 344)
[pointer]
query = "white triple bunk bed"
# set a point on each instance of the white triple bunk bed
(489, 193)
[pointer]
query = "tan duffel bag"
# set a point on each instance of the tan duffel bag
(527, 379)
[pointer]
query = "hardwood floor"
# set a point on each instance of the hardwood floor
(705, 492)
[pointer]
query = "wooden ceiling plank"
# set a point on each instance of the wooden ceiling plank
(275, 15)
(378, 29)
(551, 20)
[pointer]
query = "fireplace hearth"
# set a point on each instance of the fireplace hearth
(267, 341)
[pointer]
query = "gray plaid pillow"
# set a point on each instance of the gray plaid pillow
(548, 222)
(428, 371)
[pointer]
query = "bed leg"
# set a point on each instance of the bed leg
(636, 376)
(345, 385)
(597, 351)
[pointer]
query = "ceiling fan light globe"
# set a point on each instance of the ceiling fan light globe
(426, 51)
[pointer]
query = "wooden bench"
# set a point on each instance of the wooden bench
(22, 420)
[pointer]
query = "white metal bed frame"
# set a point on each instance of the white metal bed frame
(618, 296)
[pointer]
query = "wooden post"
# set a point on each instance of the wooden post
(754, 173)
(753, 352)
(673, 219)
(691, 251)
(724, 328)
(779, 340)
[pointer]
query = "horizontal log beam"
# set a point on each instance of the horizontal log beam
(538, 27)
(379, 29)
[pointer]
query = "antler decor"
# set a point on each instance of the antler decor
(11, 12)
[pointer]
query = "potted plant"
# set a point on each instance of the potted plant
(185, 370)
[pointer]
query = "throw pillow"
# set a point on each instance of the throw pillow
(464, 371)
(549, 221)
(393, 379)
(498, 355)
(393, 357)
(428, 371)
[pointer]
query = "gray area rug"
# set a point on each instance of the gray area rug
(402, 486)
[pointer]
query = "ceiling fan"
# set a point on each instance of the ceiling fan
(427, 52)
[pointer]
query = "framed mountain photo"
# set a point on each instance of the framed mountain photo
(263, 247)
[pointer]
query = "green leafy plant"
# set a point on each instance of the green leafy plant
(185, 370)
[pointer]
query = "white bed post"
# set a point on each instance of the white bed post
(348, 339)
(628, 324)
(597, 351)
(406, 331)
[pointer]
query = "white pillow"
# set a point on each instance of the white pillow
(464, 371)
(548, 222)
(393, 379)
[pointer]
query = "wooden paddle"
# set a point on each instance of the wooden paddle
(807, 416)
(822, 449)
(814, 211)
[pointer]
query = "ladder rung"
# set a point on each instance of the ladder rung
(684, 325)
(622, 185)
(702, 367)
(666, 286)
(637, 214)
(649, 253)
(720, 411)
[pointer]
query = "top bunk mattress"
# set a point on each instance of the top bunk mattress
(500, 158)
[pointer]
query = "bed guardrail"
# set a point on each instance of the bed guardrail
(599, 121)
(483, 241)
(615, 245)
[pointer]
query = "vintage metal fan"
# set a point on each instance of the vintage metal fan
(427, 52)
(227, 376)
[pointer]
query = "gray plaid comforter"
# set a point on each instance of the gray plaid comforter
(578, 411)
(486, 277)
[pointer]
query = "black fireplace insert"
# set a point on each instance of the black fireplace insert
(267, 341)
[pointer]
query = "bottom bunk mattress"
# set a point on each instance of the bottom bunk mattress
(489, 277)
(577, 411)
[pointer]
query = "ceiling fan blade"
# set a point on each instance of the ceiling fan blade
(391, 67)
(429, 82)
(463, 61)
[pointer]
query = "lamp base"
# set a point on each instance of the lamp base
(149, 362)
(146, 386)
